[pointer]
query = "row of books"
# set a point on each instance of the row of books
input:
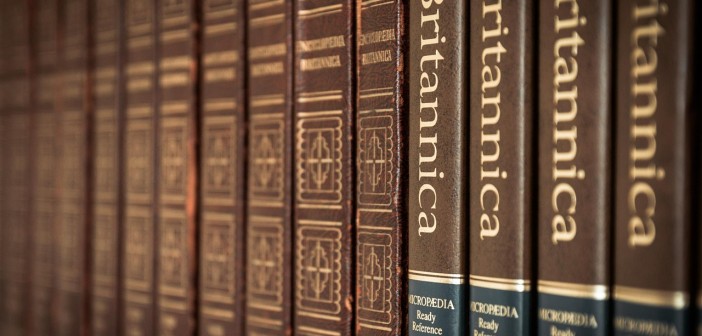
(339, 167)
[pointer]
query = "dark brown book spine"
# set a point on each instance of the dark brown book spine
(324, 166)
(223, 125)
(574, 160)
(107, 177)
(140, 179)
(74, 169)
(381, 163)
(16, 205)
(4, 150)
(269, 267)
(176, 230)
(43, 264)
(501, 148)
(438, 167)
(653, 197)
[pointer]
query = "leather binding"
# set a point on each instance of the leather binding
(270, 163)
(324, 167)
(223, 125)
(74, 169)
(44, 210)
(107, 175)
(438, 167)
(16, 206)
(501, 148)
(176, 231)
(137, 255)
(653, 179)
(381, 167)
(574, 161)
(4, 149)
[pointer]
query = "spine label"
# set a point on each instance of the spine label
(435, 308)
(498, 312)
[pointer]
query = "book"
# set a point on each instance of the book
(44, 207)
(4, 149)
(653, 219)
(324, 167)
(438, 163)
(269, 266)
(223, 124)
(501, 174)
(178, 168)
(16, 118)
(139, 139)
(574, 161)
(381, 167)
(75, 169)
(107, 181)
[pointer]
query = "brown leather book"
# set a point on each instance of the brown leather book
(501, 174)
(107, 177)
(137, 254)
(654, 189)
(44, 208)
(16, 118)
(574, 163)
(4, 149)
(176, 230)
(438, 168)
(223, 125)
(269, 266)
(324, 167)
(74, 173)
(381, 163)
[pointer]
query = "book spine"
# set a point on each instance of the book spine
(74, 169)
(4, 164)
(381, 167)
(140, 183)
(176, 231)
(574, 167)
(652, 204)
(438, 122)
(16, 118)
(501, 146)
(223, 181)
(4, 149)
(324, 167)
(107, 176)
(269, 266)
(43, 264)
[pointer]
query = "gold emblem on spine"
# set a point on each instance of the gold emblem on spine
(266, 164)
(173, 269)
(219, 151)
(105, 162)
(105, 246)
(265, 248)
(173, 159)
(375, 155)
(218, 254)
(319, 270)
(319, 155)
(374, 271)
(139, 238)
(139, 160)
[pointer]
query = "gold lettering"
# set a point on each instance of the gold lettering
(643, 129)
(565, 111)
